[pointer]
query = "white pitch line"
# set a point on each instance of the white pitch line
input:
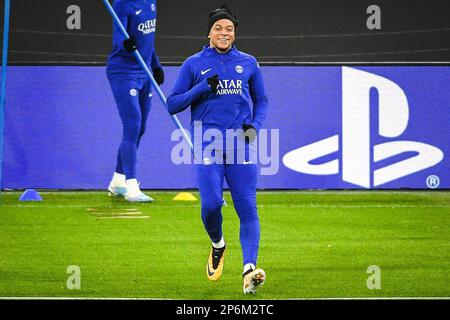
(96, 209)
(351, 206)
(345, 298)
(87, 206)
(116, 213)
(260, 205)
(76, 298)
(125, 217)
(376, 298)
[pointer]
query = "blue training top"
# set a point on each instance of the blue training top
(139, 19)
(241, 86)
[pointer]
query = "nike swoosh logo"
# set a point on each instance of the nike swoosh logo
(203, 72)
(247, 162)
(209, 271)
(138, 12)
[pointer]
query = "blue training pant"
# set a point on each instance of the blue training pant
(241, 179)
(133, 97)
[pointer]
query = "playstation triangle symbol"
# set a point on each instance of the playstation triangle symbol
(30, 195)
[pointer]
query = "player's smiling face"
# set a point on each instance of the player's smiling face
(222, 35)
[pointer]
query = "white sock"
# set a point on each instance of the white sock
(219, 244)
(118, 179)
(132, 186)
(249, 266)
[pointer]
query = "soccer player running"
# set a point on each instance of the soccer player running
(132, 89)
(225, 90)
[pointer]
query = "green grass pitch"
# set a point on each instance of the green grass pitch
(313, 245)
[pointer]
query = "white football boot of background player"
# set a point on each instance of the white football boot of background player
(134, 193)
(117, 186)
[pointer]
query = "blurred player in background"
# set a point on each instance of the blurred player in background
(132, 89)
(225, 90)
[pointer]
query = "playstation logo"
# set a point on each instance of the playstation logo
(359, 155)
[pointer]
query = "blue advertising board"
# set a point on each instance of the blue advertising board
(328, 127)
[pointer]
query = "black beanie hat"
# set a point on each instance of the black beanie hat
(222, 13)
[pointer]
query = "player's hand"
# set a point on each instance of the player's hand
(249, 132)
(213, 82)
(130, 44)
(158, 74)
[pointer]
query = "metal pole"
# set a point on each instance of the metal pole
(3, 85)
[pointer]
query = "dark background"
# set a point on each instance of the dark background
(276, 32)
